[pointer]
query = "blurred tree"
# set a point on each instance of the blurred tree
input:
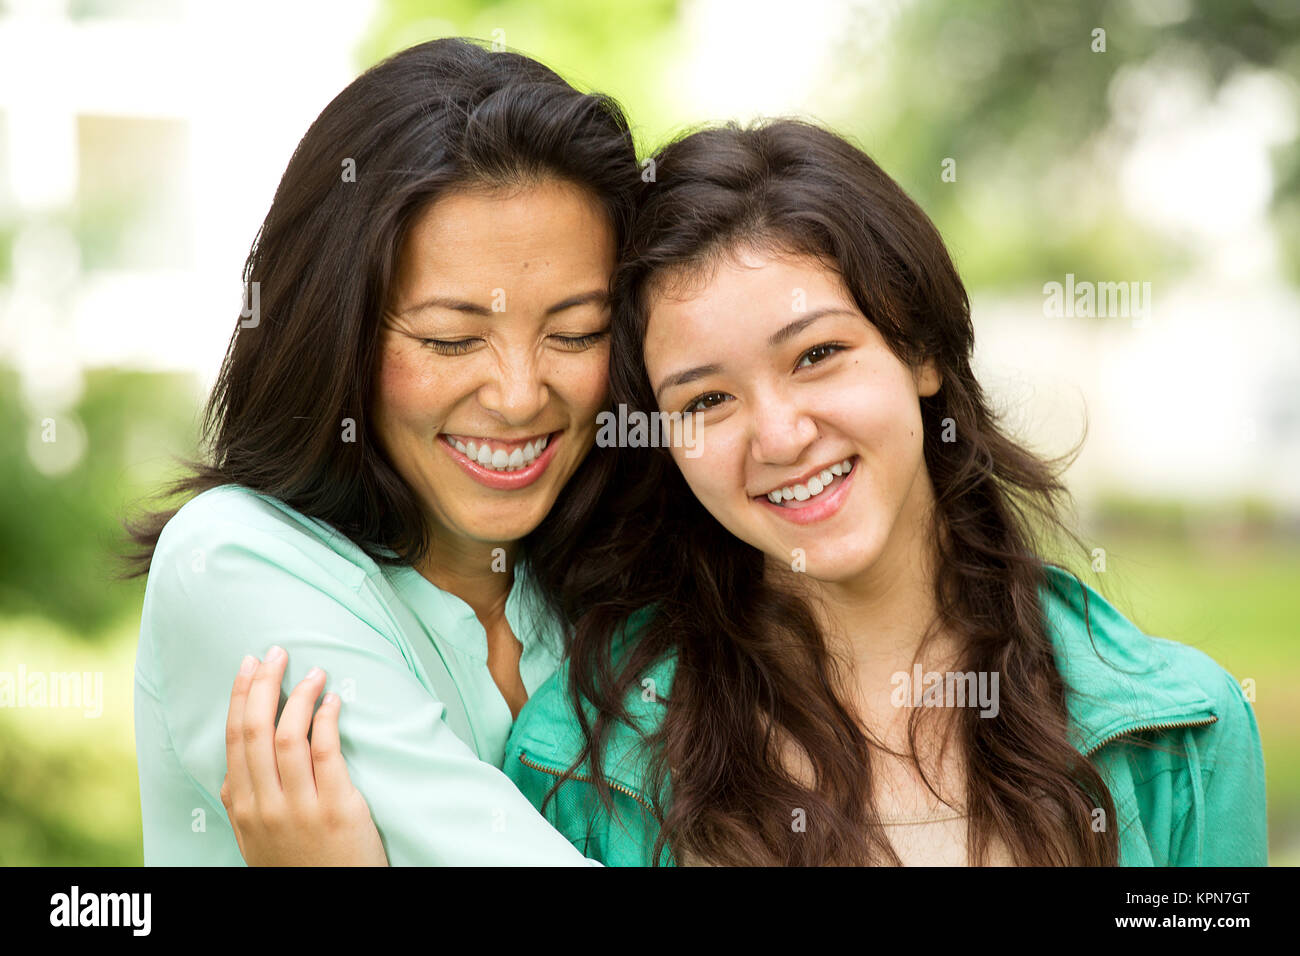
(1018, 94)
(1011, 90)
(619, 49)
(60, 516)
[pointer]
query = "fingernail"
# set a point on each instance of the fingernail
(313, 673)
(330, 698)
(248, 664)
(274, 653)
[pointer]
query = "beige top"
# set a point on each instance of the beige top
(938, 839)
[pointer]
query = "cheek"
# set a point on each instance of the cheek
(409, 393)
(584, 385)
(877, 409)
(717, 474)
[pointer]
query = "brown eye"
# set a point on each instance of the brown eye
(706, 401)
(818, 353)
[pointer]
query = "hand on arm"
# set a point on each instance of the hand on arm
(432, 800)
(290, 800)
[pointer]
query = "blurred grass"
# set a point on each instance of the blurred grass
(1235, 596)
(71, 797)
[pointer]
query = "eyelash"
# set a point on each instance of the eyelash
(579, 342)
(443, 347)
(834, 346)
(574, 343)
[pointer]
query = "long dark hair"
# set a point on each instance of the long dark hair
(752, 666)
(436, 116)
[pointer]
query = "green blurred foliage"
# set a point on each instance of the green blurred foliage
(615, 48)
(62, 532)
(1010, 89)
(1014, 92)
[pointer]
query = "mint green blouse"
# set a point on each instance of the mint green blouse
(423, 726)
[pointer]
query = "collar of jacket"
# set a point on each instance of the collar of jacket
(1119, 679)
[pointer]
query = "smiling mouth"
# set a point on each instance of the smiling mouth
(494, 454)
(795, 494)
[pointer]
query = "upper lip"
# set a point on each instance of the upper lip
(807, 476)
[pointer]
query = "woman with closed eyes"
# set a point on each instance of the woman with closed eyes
(829, 634)
(401, 428)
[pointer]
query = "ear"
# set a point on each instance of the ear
(927, 377)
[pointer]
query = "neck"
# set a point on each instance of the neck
(465, 568)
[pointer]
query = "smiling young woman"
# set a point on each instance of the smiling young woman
(856, 513)
(403, 428)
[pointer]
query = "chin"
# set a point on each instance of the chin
(836, 565)
(510, 529)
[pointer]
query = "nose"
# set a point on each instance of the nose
(516, 391)
(781, 430)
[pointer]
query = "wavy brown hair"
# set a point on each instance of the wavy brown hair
(752, 664)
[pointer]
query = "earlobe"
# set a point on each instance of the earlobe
(928, 379)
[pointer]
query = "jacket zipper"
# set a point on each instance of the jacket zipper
(613, 786)
(1144, 727)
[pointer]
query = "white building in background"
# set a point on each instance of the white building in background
(1200, 397)
(141, 142)
(1201, 401)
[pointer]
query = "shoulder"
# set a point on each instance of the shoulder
(1119, 677)
(232, 523)
(233, 564)
(546, 741)
(548, 730)
(548, 725)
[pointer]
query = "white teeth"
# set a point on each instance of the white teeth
(815, 486)
(499, 459)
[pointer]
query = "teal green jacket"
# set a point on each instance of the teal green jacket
(1197, 799)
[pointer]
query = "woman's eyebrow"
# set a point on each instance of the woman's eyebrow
(788, 332)
(441, 302)
(689, 375)
(783, 334)
(598, 296)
